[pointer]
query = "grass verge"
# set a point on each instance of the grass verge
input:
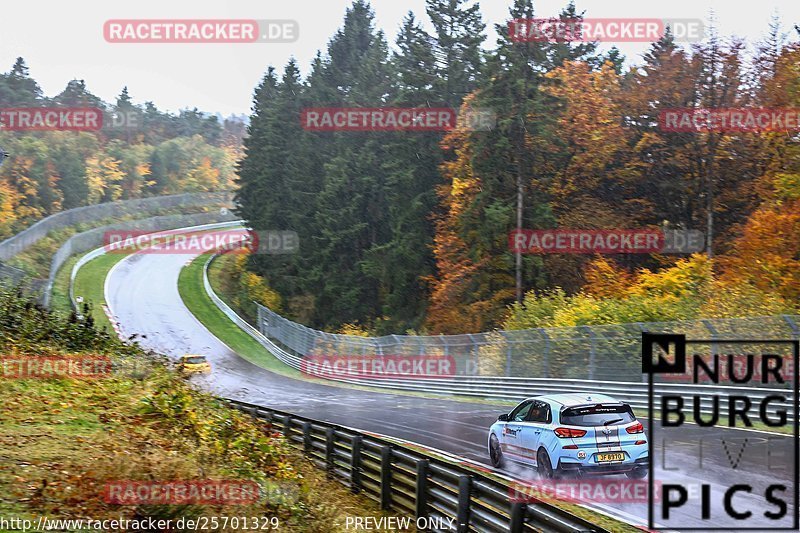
(193, 294)
(90, 285)
(65, 439)
(59, 296)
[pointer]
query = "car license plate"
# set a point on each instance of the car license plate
(606, 457)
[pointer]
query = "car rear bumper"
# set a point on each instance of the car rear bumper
(600, 469)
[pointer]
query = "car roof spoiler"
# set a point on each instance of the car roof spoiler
(585, 405)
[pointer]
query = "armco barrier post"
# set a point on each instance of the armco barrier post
(329, 447)
(386, 478)
(464, 501)
(307, 437)
(287, 426)
(421, 493)
(518, 511)
(355, 464)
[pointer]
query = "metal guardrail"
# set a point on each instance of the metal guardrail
(507, 388)
(88, 239)
(600, 352)
(409, 481)
(11, 275)
(28, 237)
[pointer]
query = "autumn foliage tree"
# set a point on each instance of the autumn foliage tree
(156, 153)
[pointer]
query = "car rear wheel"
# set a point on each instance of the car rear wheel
(543, 465)
(495, 452)
(638, 473)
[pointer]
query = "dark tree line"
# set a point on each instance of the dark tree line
(408, 230)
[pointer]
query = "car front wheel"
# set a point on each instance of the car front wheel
(495, 452)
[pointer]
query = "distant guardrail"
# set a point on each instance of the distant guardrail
(508, 388)
(413, 482)
(599, 352)
(87, 240)
(28, 237)
(11, 275)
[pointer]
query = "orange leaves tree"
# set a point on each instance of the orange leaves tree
(766, 254)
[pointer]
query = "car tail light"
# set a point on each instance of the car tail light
(638, 442)
(636, 428)
(566, 433)
(570, 447)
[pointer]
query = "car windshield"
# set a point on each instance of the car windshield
(196, 360)
(597, 415)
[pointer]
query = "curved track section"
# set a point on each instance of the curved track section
(142, 293)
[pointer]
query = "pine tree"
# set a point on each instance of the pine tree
(458, 35)
(17, 88)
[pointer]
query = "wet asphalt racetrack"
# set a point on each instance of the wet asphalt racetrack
(142, 292)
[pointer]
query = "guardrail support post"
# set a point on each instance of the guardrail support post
(642, 329)
(386, 477)
(287, 426)
(518, 510)
(546, 362)
(464, 501)
(355, 464)
(793, 325)
(592, 349)
(714, 335)
(421, 499)
(307, 437)
(329, 449)
(509, 351)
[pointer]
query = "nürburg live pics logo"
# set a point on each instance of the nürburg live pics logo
(723, 443)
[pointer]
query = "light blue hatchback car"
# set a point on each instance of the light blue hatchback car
(571, 433)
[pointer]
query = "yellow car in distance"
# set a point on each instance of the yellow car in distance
(194, 364)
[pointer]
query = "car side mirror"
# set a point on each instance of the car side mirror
(503, 418)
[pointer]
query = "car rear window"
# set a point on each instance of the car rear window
(195, 360)
(597, 415)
